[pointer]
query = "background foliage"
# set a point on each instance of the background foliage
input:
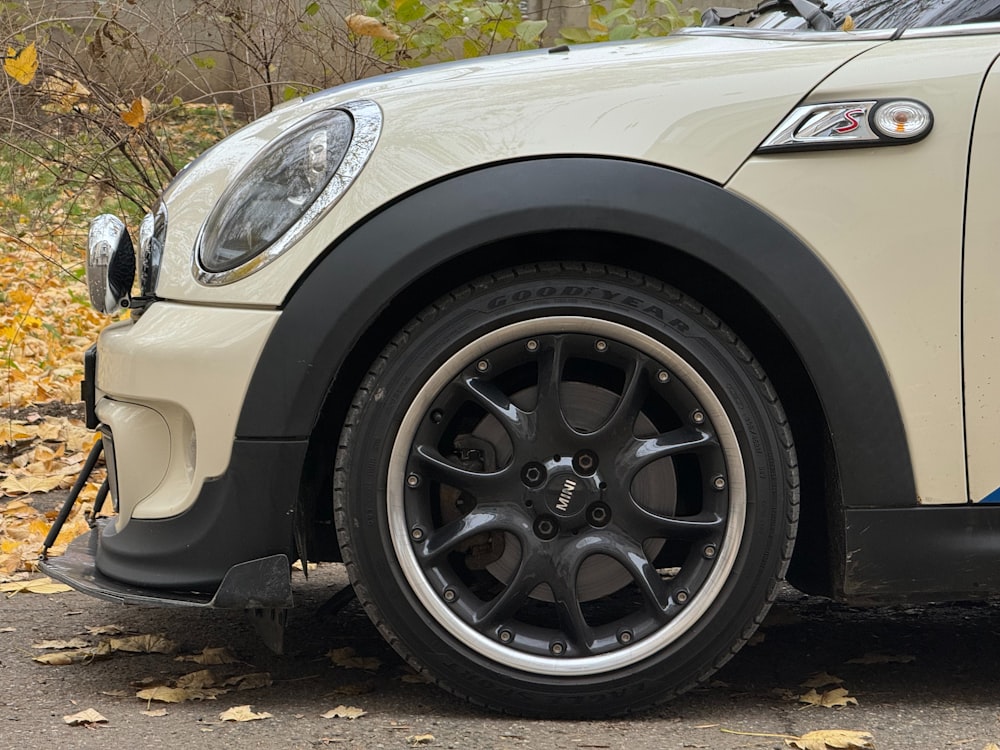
(101, 104)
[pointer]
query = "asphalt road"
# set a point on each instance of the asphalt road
(944, 698)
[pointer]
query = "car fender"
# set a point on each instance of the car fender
(347, 288)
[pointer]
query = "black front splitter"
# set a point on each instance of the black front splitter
(264, 583)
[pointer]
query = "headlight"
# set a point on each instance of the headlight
(284, 190)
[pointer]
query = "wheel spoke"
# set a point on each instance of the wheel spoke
(480, 484)
(519, 424)
(527, 577)
(641, 452)
(478, 521)
(571, 618)
(620, 424)
(630, 554)
(641, 523)
(548, 409)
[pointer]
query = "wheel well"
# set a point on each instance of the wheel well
(812, 563)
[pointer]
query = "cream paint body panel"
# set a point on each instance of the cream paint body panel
(888, 223)
(698, 104)
(191, 366)
(982, 299)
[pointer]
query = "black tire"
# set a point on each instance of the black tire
(566, 490)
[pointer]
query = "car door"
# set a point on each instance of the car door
(981, 304)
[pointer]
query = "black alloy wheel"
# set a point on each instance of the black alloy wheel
(566, 490)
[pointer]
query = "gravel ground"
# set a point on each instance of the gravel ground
(944, 698)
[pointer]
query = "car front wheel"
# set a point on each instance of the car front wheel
(566, 490)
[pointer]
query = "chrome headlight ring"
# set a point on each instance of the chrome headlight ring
(367, 126)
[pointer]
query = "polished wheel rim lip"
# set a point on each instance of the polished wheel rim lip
(565, 666)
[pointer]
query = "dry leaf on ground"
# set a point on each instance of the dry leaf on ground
(106, 630)
(155, 712)
(836, 698)
(35, 586)
(203, 678)
(415, 740)
(164, 694)
(76, 656)
(242, 713)
(83, 718)
(344, 712)
(58, 645)
(250, 681)
(833, 739)
(347, 657)
(210, 656)
(821, 679)
(149, 643)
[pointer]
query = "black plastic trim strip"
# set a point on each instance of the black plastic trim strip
(344, 293)
(925, 553)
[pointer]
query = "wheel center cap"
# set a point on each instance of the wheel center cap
(567, 494)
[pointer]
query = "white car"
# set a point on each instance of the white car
(571, 355)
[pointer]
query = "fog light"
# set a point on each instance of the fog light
(110, 264)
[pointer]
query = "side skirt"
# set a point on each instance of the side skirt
(927, 553)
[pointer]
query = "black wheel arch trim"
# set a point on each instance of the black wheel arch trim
(346, 290)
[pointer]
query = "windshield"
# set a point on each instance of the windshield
(864, 14)
(881, 14)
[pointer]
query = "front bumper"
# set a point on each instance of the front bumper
(197, 507)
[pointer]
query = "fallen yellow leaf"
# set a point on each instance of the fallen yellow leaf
(344, 712)
(836, 698)
(163, 694)
(821, 679)
(36, 586)
(242, 713)
(203, 678)
(156, 712)
(347, 657)
(21, 66)
(833, 739)
(90, 716)
(144, 644)
(210, 656)
(415, 740)
(250, 681)
(58, 645)
(28, 484)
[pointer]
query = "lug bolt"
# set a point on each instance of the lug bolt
(531, 345)
(719, 483)
(601, 345)
(506, 636)
(682, 596)
(598, 514)
(545, 528)
(437, 416)
(533, 475)
(416, 534)
(710, 551)
(412, 481)
(450, 595)
(698, 417)
(663, 376)
(482, 365)
(625, 637)
(558, 648)
(585, 463)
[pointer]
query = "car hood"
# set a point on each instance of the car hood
(698, 103)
